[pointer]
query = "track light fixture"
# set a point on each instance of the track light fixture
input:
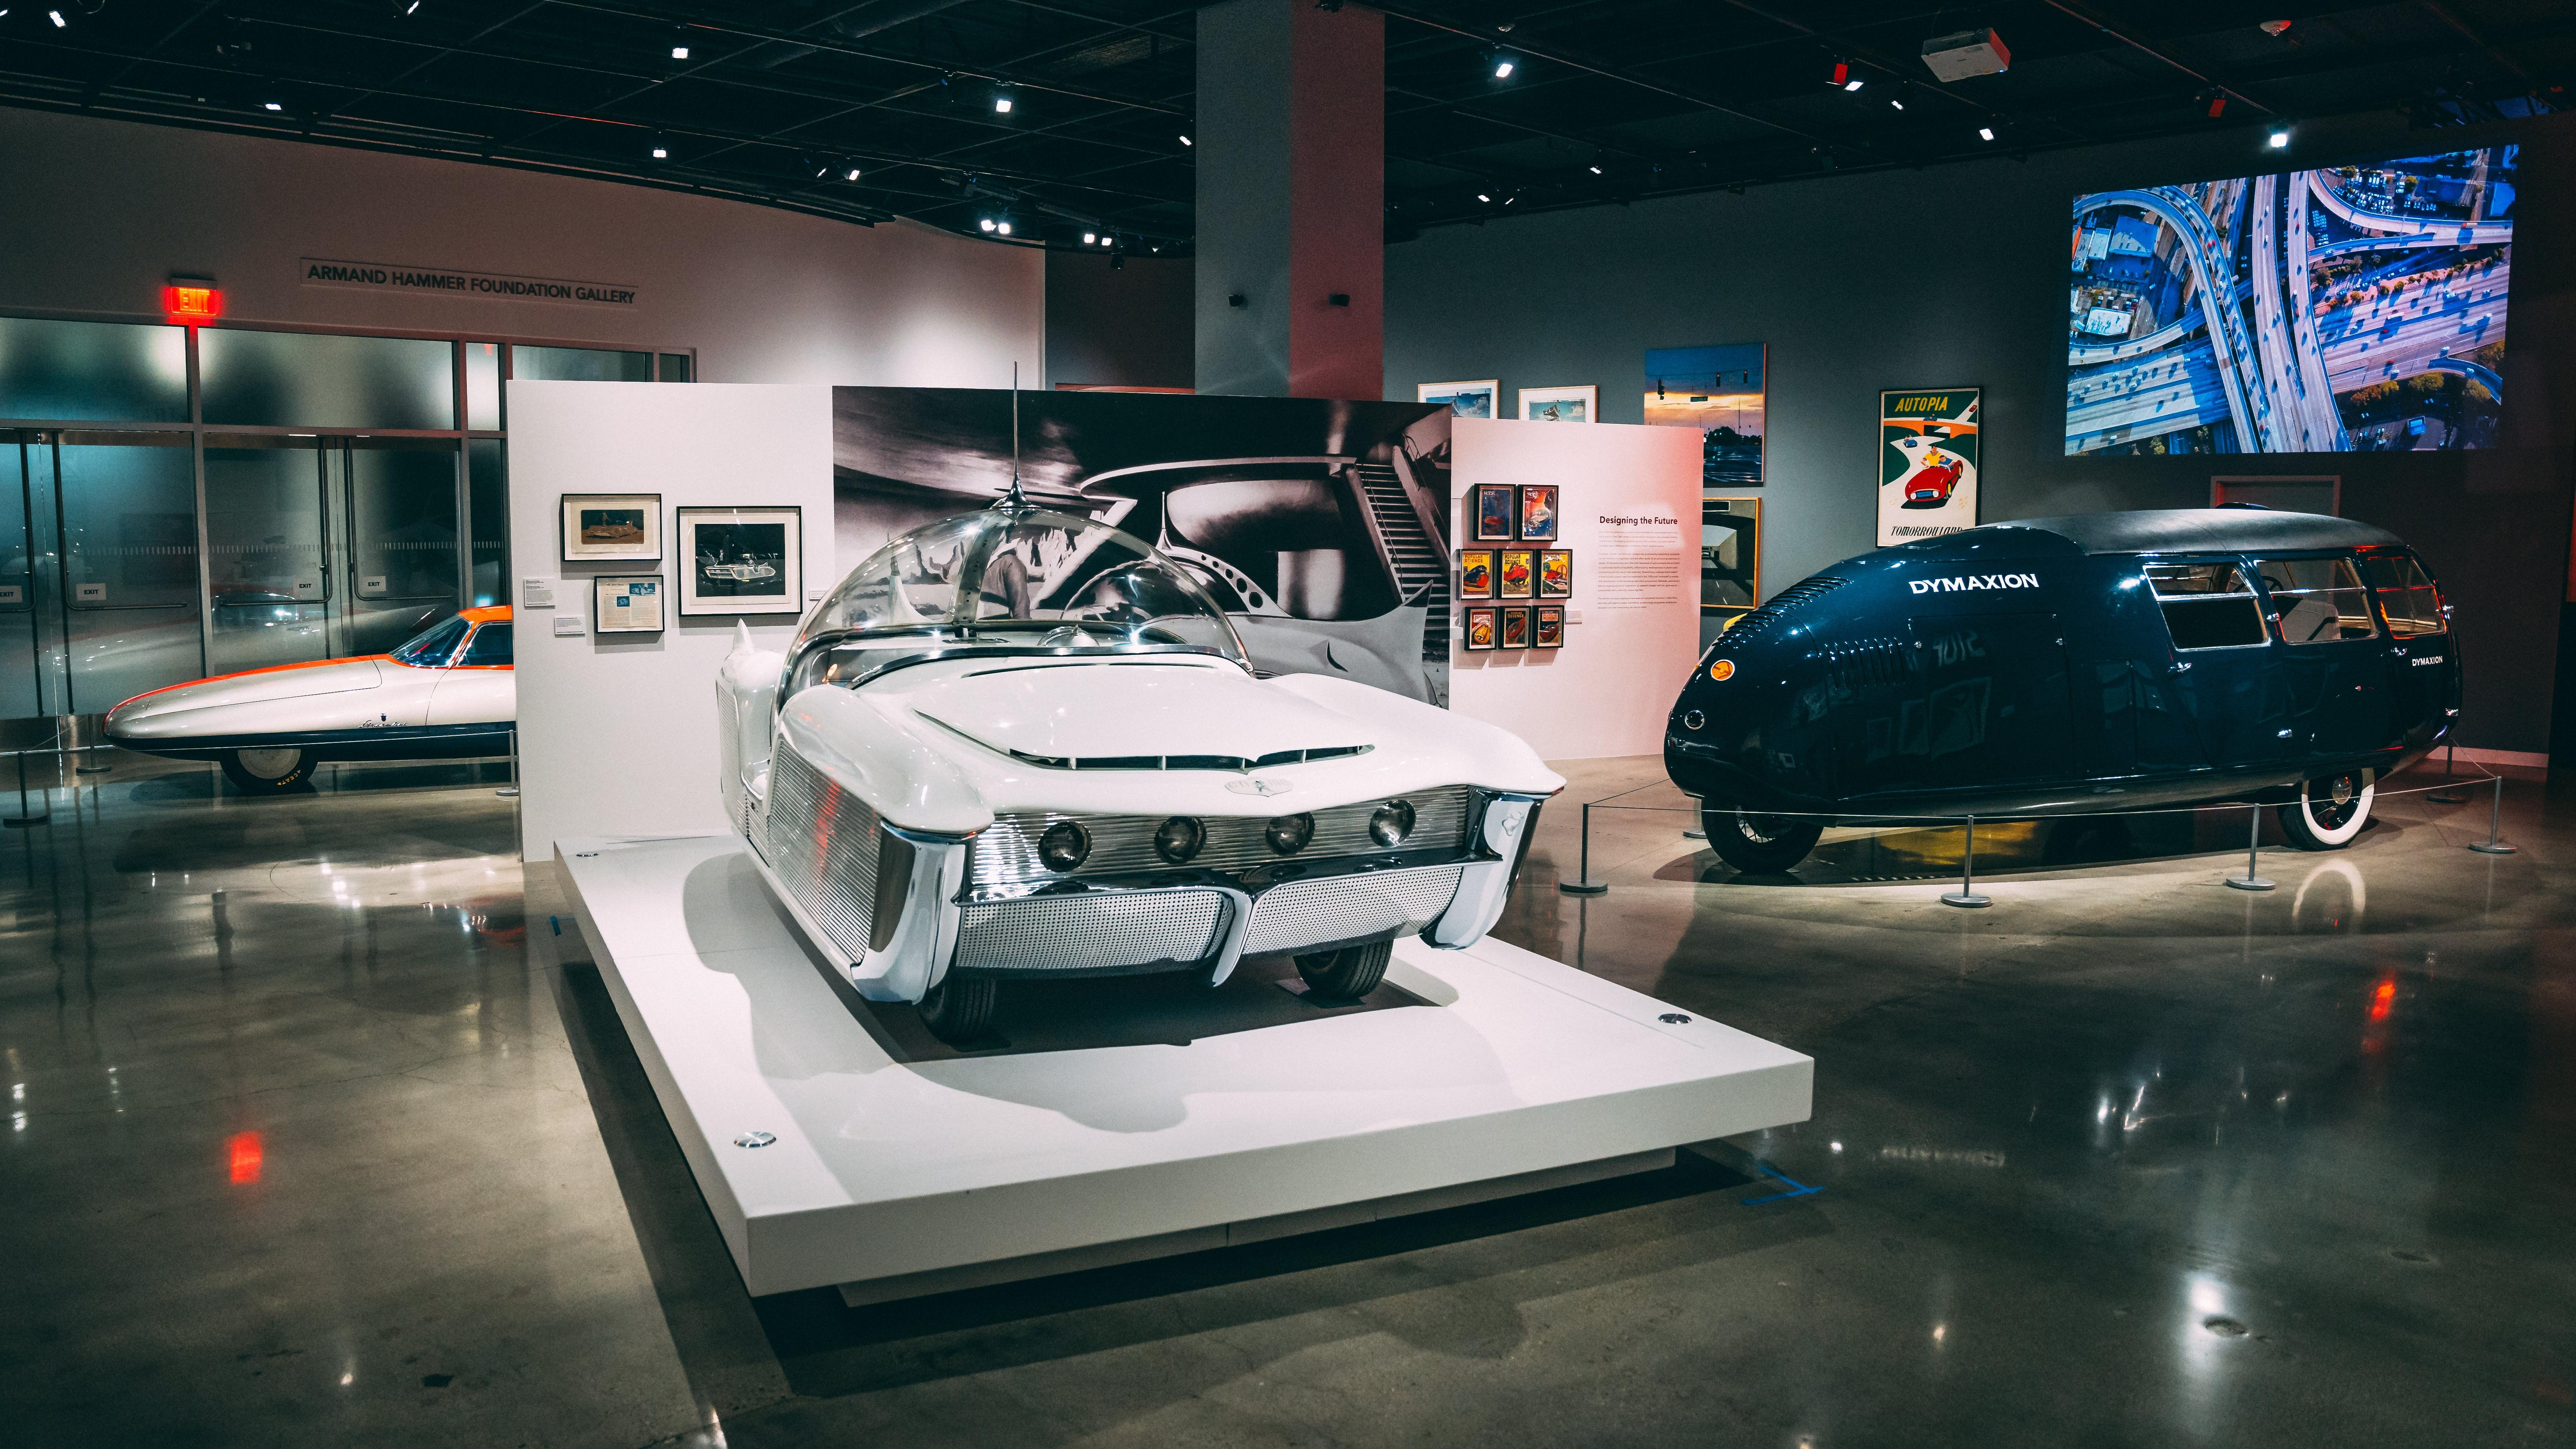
(679, 52)
(851, 173)
(1089, 237)
(271, 106)
(1985, 133)
(1485, 197)
(1186, 141)
(985, 222)
(1596, 170)
(1002, 102)
(661, 153)
(2279, 140)
(1853, 84)
(1503, 64)
(56, 16)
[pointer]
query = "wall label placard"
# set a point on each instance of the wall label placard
(497, 286)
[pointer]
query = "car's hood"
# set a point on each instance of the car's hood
(255, 686)
(1088, 711)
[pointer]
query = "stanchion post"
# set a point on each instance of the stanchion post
(2449, 794)
(1966, 895)
(2253, 843)
(1583, 884)
(2494, 844)
(511, 790)
(23, 818)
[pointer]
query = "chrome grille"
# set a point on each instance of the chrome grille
(823, 844)
(1124, 844)
(1349, 907)
(1092, 933)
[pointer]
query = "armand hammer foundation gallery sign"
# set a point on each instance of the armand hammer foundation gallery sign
(390, 277)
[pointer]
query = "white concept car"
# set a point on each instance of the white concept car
(449, 693)
(1021, 744)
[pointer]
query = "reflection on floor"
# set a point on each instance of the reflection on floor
(321, 1134)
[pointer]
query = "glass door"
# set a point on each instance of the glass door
(21, 695)
(399, 505)
(268, 560)
(123, 613)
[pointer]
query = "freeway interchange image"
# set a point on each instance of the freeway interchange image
(2358, 308)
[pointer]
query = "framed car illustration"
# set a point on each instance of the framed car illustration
(742, 561)
(1515, 575)
(1475, 573)
(1547, 626)
(1495, 510)
(1556, 573)
(612, 527)
(1538, 513)
(1516, 626)
(1480, 628)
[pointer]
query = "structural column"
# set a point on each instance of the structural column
(1291, 199)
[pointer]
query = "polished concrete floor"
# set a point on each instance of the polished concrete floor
(321, 1134)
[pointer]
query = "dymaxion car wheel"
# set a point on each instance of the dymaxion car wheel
(1758, 844)
(959, 1010)
(2329, 812)
(1349, 973)
(268, 772)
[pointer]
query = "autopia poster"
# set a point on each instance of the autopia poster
(1927, 463)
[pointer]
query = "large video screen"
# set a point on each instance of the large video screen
(2352, 309)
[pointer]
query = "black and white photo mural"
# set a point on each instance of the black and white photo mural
(1318, 525)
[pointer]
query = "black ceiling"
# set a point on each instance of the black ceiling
(1608, 101)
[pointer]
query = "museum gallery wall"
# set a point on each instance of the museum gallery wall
(1619, 556)
(1981, 301)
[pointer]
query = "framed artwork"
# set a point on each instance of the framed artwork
(1556, 573)
(1730, 557)
(1516, 626)
(1927, 463)
(1465, 399)
(742, 561)
(1513, 580)
(1723, 392)
(1495, 511)
(612, 527)
(1538, 513)
(1480, 627)
(1548, 626)
(627, 603)
(1561, 404)
(1475, 573)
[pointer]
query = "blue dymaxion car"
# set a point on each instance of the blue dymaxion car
(2103, 662)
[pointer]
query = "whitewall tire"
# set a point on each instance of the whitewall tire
(2330, 812)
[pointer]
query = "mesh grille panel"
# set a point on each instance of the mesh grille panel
(1348, 907)
(823, 844)
(1124, 844)
(1074, 933)
(1754, 625)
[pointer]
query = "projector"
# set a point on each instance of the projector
(1970, 52)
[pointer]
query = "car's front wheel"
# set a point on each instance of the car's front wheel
(268, 772)
(960, 1009)
(2329, 812)
(1349, 973)
(1758, 844)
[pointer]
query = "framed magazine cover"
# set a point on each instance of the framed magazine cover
(1538, 513)
(1516, 626)
(1497, 512)
(1556, 573)
(1547, 625)
(1475, 573)
(1513, 576)
(1481, 628)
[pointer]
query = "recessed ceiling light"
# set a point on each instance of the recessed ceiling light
(986, 223)
(1186, 141)
(679, 52)
(1853, 84)
(661, 153)
(1003, 227)
(1985, 133)
(1088, 238)
(850, 175)
(271, 106)
(2280, 138)
(56, 16)
(1484, 197)
(1001, 105)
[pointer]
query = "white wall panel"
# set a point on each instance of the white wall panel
(1605, 693)
(617, 734)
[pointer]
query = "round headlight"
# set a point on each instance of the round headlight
(1179, 839)
(1064, 846)
(1722, 671)
(1289, 833)
(1392, 822)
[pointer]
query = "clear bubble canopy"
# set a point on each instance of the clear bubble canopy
(1008, 579)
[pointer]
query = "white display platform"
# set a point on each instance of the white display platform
(902, 1166)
